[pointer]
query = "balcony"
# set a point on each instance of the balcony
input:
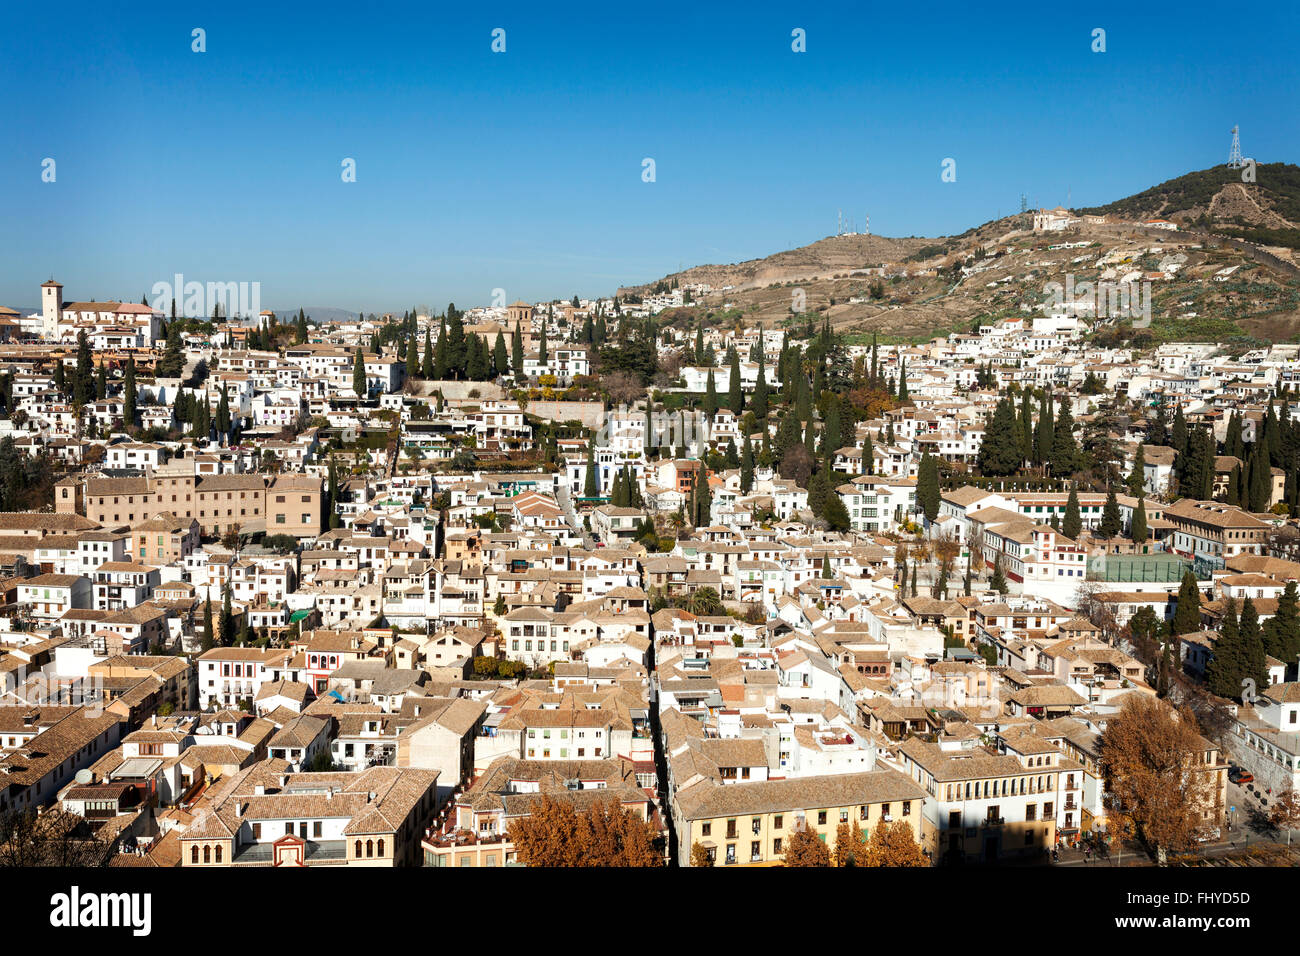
(994, 821)
(443, 839)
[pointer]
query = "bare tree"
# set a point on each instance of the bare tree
(625, 388)
(52, 838)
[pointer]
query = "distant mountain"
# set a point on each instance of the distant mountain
(316, 314)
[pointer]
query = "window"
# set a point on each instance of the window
(778, 821)
(776, 846)
(706, 829)
(821, 816)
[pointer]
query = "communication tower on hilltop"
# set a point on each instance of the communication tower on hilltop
(1234, 155)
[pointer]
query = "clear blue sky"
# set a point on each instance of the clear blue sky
(522, 170)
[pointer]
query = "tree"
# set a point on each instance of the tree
(805, 848)
(1285, 812)
(836, 514)
(850, 845)
(556, 834)
(209, 636)
(1110, 519)
(1139, 530)
(893, 844)
(1254, 666)
(1187, 613)
(428, 367)
(500, 360)
(746, 466)
(999, 580)
(51, 838)
(83, 384)
(1137, 477)
(927, 487)
(359, 374)
(1150, 761)
(1224, 670)
(735, 396)
(710, 405)
(700, 855)
(591, 485)
(226, 623)
(999, 452)
(1065, 450)
(1072, 525)
(1282, 630)
(517, 353)
(129, 396)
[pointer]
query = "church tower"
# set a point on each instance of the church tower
(51, 309)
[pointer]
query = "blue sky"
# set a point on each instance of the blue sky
(522, 170)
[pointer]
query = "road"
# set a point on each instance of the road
(571, 515)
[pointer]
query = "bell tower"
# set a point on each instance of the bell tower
(51, 309)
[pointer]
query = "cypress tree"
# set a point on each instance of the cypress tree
(1072, 526)
(902, 381)
(736, 397)
(428, 368)
(927, 487)
(225, 624)
(1139, 529)
(500, 362)
(1065, 450)
(710, 405)
(999, 580)
(999, 454)
(209, 636)
(759, 405)
(130, 395)
(1254, 665)
(746, 466)
(590, 485)
(1178, 433)
(868, 455)
(1043, 434)
(517, 352)
(1110, 519)
(1187, 613)
(359, 374)
(1137, 476)
(1282, 630)
(541, 346)
(1025, 431)
(1224, 671)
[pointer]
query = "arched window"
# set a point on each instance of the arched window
(381, 847)
(207, 853)
(194, 854)
(370, 848)
(218, 852)
(358, 849)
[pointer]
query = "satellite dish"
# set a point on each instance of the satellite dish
(84, 777)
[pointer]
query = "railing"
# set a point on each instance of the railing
(994, 821)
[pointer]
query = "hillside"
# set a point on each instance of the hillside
(1215, 199)
(915, 288)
